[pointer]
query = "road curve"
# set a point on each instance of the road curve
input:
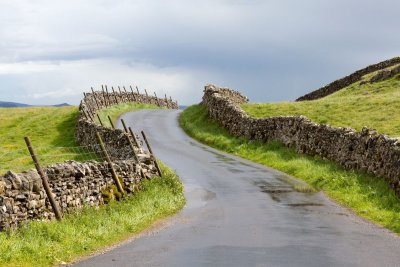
(239, 213)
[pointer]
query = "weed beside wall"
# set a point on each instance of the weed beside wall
(366, 150)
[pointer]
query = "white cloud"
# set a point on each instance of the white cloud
(271, 49)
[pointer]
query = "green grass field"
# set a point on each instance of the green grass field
(90, 229)
(373, 105)
(368, 196)
(51, 130)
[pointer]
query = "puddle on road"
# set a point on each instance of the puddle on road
(197, 197)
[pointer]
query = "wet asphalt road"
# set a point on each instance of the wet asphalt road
(242, 214)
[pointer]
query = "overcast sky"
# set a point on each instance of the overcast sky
(51, 51)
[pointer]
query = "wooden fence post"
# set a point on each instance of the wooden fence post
(95, 98)
(146, 92)
(130, 142)
(115, 95)
(134, 137)
(124, 125)
(108, 97)
(152, 155)
(112, 124)
(133, 94)
(104, 96)
(120, 94)
(114, 174)
(101, 123)
(158, 102)
(137, 90)
(166, 101)
(45, 183)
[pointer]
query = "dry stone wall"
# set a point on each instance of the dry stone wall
(76, 184)
(366, 150)
(346, 81)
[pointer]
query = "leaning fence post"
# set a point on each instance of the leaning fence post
(166, 101)
(130, 142)
(112, 124)
(115, 95)
(95, 98)
(134, 137)
(151, 153)
(133, 94)
(104, 96)
(114, 174)
(45, 183)
(124, 125)
(101, 123)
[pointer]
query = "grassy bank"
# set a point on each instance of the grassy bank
(46, 244)
(116, 110)
(51, 130)
(374, 105)
(367, 195)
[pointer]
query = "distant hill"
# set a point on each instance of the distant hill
(62, 105)
(12, 104)
(4, 104)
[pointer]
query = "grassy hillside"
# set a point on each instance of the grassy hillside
(368, 196)
(375, 105)
(51, 130)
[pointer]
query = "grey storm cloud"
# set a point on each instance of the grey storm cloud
(50, 51)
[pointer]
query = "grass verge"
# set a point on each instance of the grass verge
(116, 110)
(368, 196)
(88, 230)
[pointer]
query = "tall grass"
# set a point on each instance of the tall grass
(90, 229)
(369, 196)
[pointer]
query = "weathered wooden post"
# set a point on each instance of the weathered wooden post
(158, 102)
(95, 98)
(104, 96)
(108, 97)
(43, 176)
(111, 122)
(151, 153)
(146, 92)
(86, 116)
(133, 94)
(137, 90)
(134, 137)
(115, 95)
(124, 125)
(120, 94)
(130, 142)
(101, 123)
(114, 174)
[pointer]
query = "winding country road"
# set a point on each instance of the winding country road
(239, 213)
